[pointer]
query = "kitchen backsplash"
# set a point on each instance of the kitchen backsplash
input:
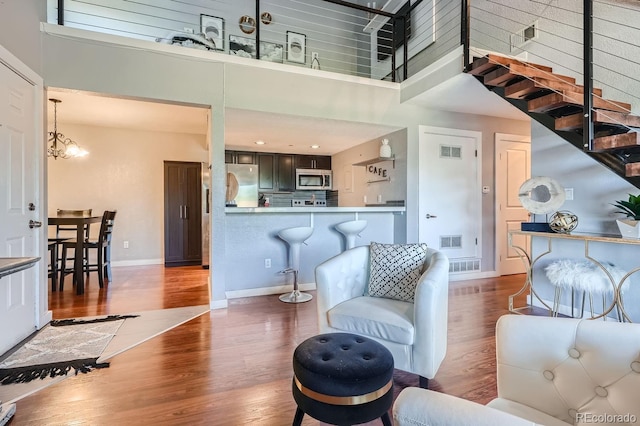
(330, 198)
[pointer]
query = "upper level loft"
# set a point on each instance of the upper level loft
(381, 40)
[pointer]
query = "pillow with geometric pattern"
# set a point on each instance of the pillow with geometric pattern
(394, 270)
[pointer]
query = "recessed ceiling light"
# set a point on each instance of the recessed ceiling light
(315, 146)
(260, 142)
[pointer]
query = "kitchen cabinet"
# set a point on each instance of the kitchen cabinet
(286, 172)
(267, 179)
(276, 172)
(182, 213)
(322, 162)
(239, 157)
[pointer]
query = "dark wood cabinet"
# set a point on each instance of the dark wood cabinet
(239, 157)
(182, 213)
(322, 162)
(266, 172)
(276, 172)
(286, 172)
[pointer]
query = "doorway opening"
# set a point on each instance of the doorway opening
(128, 141)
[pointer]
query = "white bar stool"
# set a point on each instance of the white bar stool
(294, 237)
(582, 276)
(351, 230)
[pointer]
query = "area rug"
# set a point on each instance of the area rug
(134, 331)
(60, 347)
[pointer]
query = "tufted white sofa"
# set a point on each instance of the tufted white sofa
(551, 371)
(415, 333)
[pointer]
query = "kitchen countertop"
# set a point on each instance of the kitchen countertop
(10, 265)
(262, 210)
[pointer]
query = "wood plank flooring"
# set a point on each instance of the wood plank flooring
(233, 366)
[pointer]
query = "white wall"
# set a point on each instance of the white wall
(595, 188)
(351, 181)
(124, 171)
(19, 30)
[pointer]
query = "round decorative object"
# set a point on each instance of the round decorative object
(385, 149)
(247, 24)
(541, 195)
(563, 222)
(266, 18)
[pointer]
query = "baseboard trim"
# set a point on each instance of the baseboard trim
(265, 291)
(138, 262)
(472, 275)
(218, 304)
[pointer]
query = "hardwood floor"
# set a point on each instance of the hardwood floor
(233, 366)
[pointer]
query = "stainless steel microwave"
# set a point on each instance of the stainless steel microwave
(313, 179)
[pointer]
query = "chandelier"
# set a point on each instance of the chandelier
(59, 146)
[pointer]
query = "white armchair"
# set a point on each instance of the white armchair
(415, 333)
(551, 371)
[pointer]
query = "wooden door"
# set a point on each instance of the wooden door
(18, 187)
(182, 213)
(513, 168)
(192, 216)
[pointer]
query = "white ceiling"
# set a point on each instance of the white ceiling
(294, 134)
(96, 110)
(281, 133)
(462, 93)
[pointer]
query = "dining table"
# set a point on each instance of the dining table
(79, 222)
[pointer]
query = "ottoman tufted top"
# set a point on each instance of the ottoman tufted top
(342, 364)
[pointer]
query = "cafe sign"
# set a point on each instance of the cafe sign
(378, 171)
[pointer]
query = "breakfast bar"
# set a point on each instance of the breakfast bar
(255, 254)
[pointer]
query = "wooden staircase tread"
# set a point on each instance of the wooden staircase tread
(574, 121)
(501, 76)
(487, 63)
(557, 100)
(560, 102)
(615, 142)
(533, 85)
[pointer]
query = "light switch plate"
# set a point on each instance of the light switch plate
(568, 194)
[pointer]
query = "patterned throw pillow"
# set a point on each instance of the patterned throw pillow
(395, 269)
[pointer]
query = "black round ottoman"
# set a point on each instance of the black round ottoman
(342, 379)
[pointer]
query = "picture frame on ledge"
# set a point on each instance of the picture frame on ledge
(213, 29)
(272, 52)
(296, 47)
(242, 46)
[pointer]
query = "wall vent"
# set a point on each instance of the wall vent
(464, 265)
(451, 242)
(523, 36)
(447, 151)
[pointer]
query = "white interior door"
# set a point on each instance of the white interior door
(450, 204)
(513, 167)
(17, 189)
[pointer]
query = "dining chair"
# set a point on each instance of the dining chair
(52, 271)
(64, 233)
(102, 245)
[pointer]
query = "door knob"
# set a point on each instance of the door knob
(34, 224)
(430, 216)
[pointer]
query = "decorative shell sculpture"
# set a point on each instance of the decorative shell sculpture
(563, 222)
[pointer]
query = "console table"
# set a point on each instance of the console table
(587, 239)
